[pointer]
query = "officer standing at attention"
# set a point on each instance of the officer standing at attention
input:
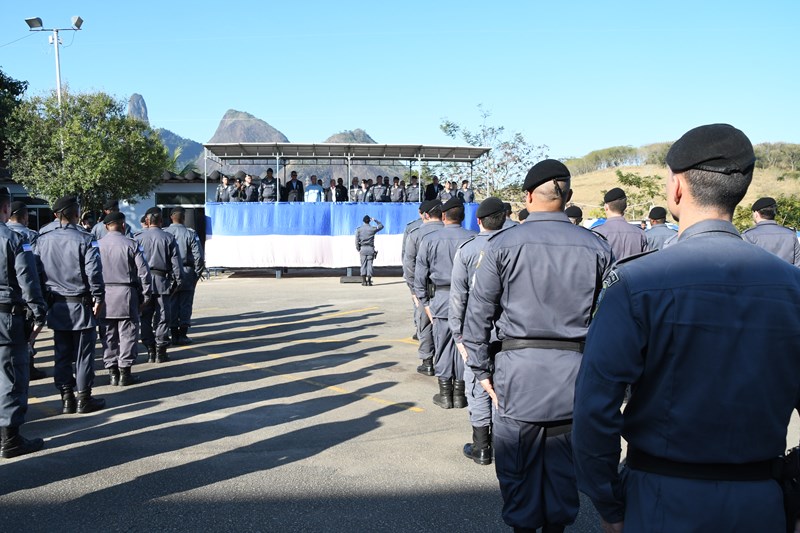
(19, 291)
(574, 214)
(269, 190)
(128, 286)
(191, 252)
(413, 192)
(431, 221)
(365, 244)
(18, 222)
(99, 230)
(466, 194)
(411, 227)
(709, 349)
(397, 193)
(164, 260)
(74, 289)
(625, 239)
(771, 236)
(491, 215)
(224, 190)
(432, 288)
(659, 232)
(509, 222)
(540, 281)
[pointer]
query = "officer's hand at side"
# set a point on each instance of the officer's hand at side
(97, 309)
(462, 350)
(428, 312)
(616, 527)
(487, 386)
(415, 299)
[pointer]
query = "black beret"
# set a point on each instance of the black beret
(116, 216)
(715, 148)
(141, 220)
(18, 206)
(490, 206)
(507, 207)
(4, 192)
(573, 211)
(153, 211)
(64, 202)
(543, 171)
(522, 214)
(176, 210)
(455, 201)
(111, 204)
(763, 203)
(657, 213)
(429, 206)
(614, 194)
(240, 175)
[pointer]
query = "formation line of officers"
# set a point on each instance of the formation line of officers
(80, 282)
(542, 329)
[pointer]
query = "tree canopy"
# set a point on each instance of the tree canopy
(88, 147)
(11, 92)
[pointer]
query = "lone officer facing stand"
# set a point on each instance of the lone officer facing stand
(365, 244)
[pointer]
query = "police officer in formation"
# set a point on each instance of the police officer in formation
(705, 334)
(509, 222)
(225, 190)
(191, 253)
(99, 230)
(659, 232)
(128, 287)
(397, 193)
(540, 280)
(164, 260)
(410, 227)
(432, 221)
(432, 275)
(574, 214)
(75, 292)
(20, 293)
(770, 235)
(491, 215)
(365, 244)
(625, 239)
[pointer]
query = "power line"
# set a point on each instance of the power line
(16, 40)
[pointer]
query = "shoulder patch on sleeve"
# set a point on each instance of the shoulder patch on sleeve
(26, 247)
(609, 280)
(634, 256)
(95, 244)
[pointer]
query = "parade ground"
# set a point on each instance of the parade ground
(297, 408)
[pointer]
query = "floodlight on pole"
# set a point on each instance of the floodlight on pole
(35, 24)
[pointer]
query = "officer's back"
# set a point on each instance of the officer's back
(62, 248)
(770, 235)
(163, 257)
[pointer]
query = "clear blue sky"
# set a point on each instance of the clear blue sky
(574, 75)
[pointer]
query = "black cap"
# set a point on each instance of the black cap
(490, 206)
(522, 214)
(64, 202)
(116, 216)
(657, 213)
(153, 211)
(4, 192)
(111, 204)
(763, 203)
(543, 171)
(141, 220)
(18, 206)
(177, 210)
(455, 201)
(573, 211)
(614, 194)
(429, 206)
(715, 148)
(507, 207)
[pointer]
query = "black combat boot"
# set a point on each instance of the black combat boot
(126, 378)
(445, 397)
(363, 281)
(426, 368)
(69, 404)
(151, 353)
(480, 449)
(459, 397)
(369, 281)
(161, 354)
(113, 374)
(12, 444)
(183, 331)
(88, 404)
(174, 333)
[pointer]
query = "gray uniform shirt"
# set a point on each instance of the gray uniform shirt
(365, 235)
(378, 193)
(467, 195)
(19, 282)
(657, 235)
(776, 239)
(412, 247)
(538, 280)
(126, 276)
(191, 253)
(435, 263)
(70, 259)
(625, 239)
(99, 231)
(411, 226)
(163, 258)
(268, 190)
(29, 234)
(413, 193)
(397, 194)
(464, 264)
(224, 193)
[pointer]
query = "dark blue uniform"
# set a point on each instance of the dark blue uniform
(707, 333)
(537, 283)
(776, 239)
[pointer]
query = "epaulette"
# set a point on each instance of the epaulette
(502, 230)
(600, 235)
(460, 246)
(632, 257)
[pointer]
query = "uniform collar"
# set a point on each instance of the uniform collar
(558, 216)
(708, 227)
(764, 222)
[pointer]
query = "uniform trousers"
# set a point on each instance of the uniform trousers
(74, 347)
(14, 370)
(367, 256)
(120, 342)
(424, 333)
(447, 362)
(479, 403)
(155, 320)
(664, 503)
(536, 474)
(181, 312)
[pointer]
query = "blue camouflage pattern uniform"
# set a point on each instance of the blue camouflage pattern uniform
(774, 238)
(710, 351)
(537, 283)
(424, 326)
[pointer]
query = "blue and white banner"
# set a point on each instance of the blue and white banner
(304, 235)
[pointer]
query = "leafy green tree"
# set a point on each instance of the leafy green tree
(11, 92)
(642, 192)
(510, 158)
(88, 147)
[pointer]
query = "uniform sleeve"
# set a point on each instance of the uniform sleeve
(143, 271)
(422, 271)
(28, 278)
(482, 310)
(410, 259)
(358, 239)
(459, 293)
(197, 253)
(176, 262)
(796, 252)
(612, 360)
(379, 227)
(94, 271)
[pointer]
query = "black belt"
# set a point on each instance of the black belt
(14, 309)
(443, 287)
(757, 471)
(85, 300)
(554, 429)
(543, 344)
(159, 272)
